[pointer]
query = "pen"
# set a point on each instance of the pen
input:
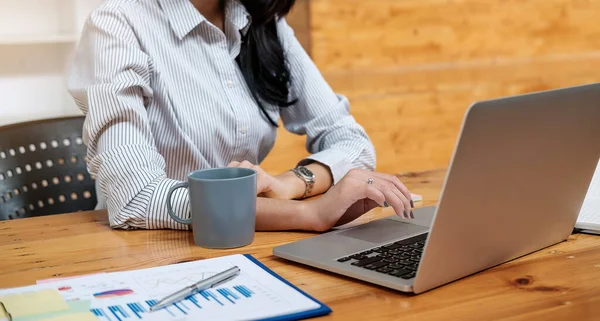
(208, 283)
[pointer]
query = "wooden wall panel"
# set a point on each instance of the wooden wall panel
(299, 20)
(411, 68)
(516, 77)
(393, 33)
(289, 148)
(417, 129)
(413, 118)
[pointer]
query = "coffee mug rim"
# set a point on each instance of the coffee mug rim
(249, 173)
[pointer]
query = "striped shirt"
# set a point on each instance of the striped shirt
(163, 96)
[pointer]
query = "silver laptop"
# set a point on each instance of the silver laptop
(515, 184)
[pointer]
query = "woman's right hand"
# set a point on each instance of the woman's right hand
(353, 196)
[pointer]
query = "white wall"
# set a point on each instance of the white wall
(37, 39)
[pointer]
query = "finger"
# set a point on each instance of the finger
(233, 164)
(375, 195)
(399, 185)
(405, 201)
(246, 164)
(384, 182)
(402, 188)
(395, 202)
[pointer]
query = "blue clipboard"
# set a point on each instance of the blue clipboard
(320, 311)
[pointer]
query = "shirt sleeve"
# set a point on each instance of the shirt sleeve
(333, 137)
(110, 82)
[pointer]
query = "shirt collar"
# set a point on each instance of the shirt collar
(236, 13)
(184, 17)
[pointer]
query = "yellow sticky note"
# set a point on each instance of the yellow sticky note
(34, 303)
(83, 316)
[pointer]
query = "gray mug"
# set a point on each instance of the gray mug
(223, 206)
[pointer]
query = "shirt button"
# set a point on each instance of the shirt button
(229, 83)
(244, 130)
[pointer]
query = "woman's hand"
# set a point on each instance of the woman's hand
(267, 185)
(353, 196)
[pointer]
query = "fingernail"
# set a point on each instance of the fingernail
(412, 215)
(405, 215)
(412, 205)
(385, 204)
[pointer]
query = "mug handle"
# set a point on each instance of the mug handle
(170, 207)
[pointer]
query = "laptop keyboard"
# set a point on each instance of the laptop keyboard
(400, 259)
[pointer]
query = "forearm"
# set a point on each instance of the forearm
(134, 187)
(275, 214)
(323, 180)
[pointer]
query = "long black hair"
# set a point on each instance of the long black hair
(262, 59)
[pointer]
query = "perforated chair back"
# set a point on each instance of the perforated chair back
(43, 169)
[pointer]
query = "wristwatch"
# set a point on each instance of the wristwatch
(307, 176)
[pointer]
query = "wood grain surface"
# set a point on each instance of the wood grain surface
(413, 117)
(357, 34)
(299, 20)
(557, 283)
(411, 68)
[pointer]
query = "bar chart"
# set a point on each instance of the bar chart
(193, 305)
(125, 296)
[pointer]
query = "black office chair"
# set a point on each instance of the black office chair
(43, 169)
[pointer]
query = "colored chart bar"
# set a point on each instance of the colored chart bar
(194, 301)
(208, 295)
(225, 293)
(137, 310)
(243, 290)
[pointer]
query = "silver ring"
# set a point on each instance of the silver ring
(370, 181)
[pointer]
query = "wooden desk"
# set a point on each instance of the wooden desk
(558, 283)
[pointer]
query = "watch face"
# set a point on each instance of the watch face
(305, 171)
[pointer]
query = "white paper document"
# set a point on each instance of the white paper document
(254, 294)
(589, 217)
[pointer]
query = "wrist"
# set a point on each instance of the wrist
(303, 216)
(296, 186)
(313, 217)
(277, 215)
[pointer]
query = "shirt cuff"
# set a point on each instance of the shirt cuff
(335, 159)
(158, 214)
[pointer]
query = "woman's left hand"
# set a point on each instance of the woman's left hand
(267, 185)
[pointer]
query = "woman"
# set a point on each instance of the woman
(171, 86)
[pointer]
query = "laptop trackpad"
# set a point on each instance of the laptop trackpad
(381, 231)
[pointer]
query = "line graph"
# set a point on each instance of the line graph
(156, 282)
(173, 280)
